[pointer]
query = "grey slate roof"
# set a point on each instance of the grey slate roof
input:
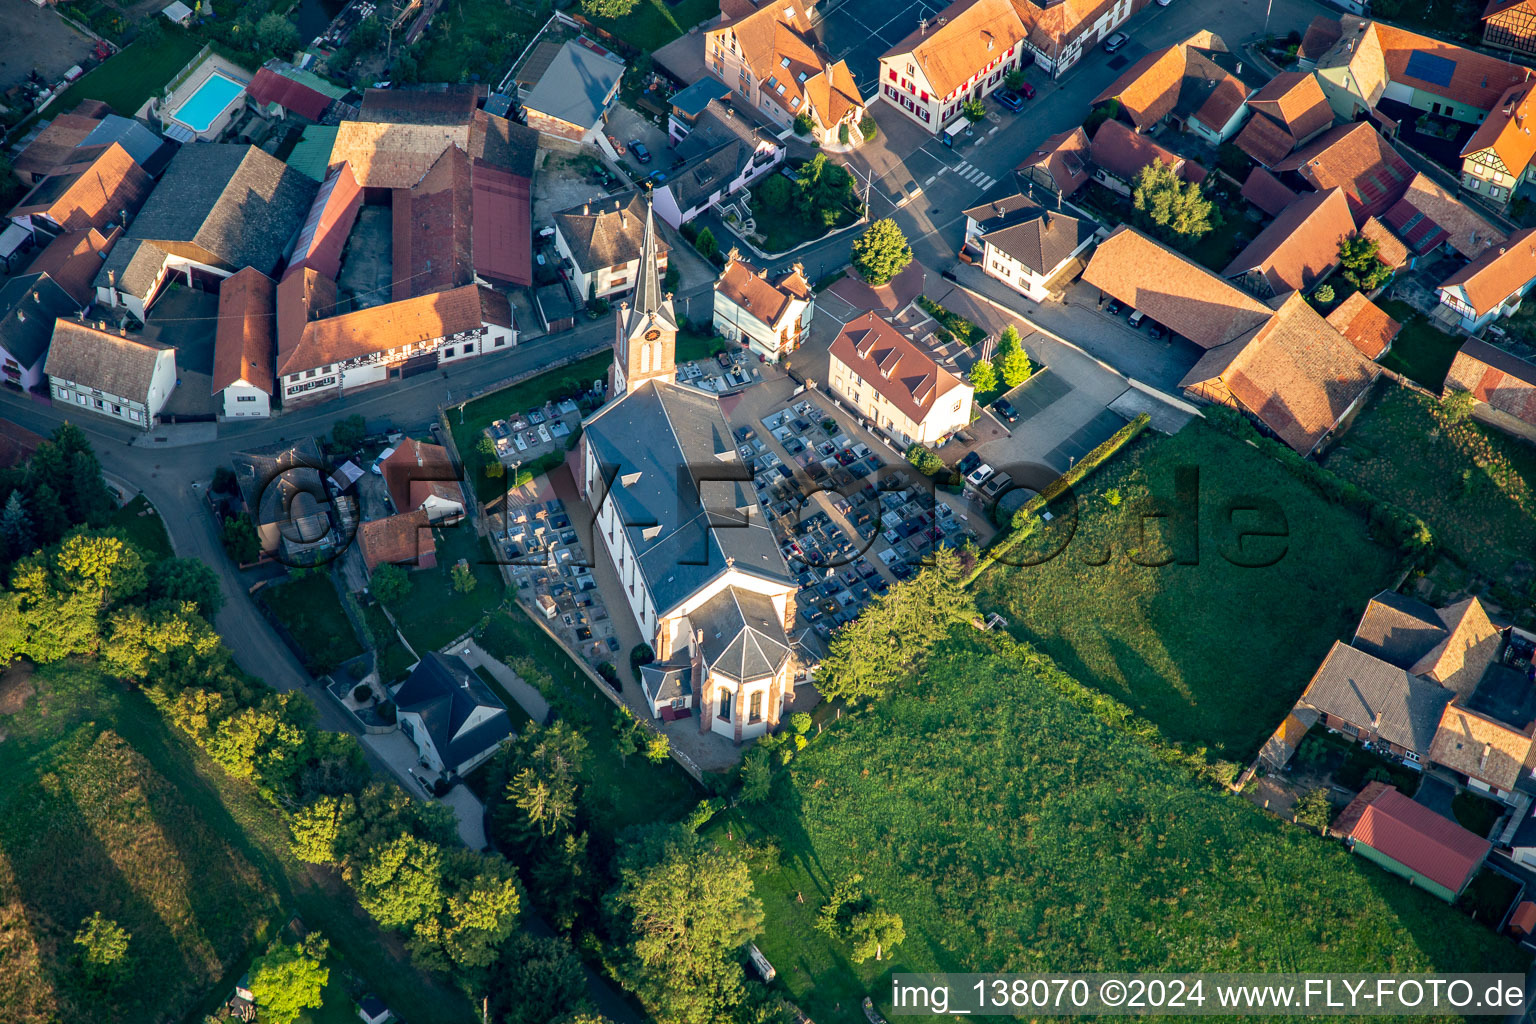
(598, 237)
(691, 101)
(1355, 686)
(576, 86)
(446, 693)
(242, 205)
(1399, 630)
(28, 307)
(1040, 239)
(142, 144)
(654, 443)
(133, 264)
(668, 680)
(649, 306)
(743, 638)
(119, 365)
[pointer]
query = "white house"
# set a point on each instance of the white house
(243, 344)
(721, 154)
(897, 386)
(1493, 285)
(1023, 244)
(422, 476)
(601, 242)
(771, 317)
(453, 718)
(658, 466)
(112, 373)
(965, 53)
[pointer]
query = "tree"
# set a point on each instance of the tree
(1176, 210)
(290, 978)
(1012, 360)
(536, 980)
(881, 252)
(706, 244)
(463, 578)
(924, 459)
(983, 376)
(322, 830)
(348, 433)
(240, 539)
(657, 747)
(389, 583)
(547, 803)
(182, 580)
(16, 526)
(276, 34)
(684, 906)
(776, 193)
(50, 521)
(803, 124)
(1314, 809)
(106, 567)
(262, 741)
(479, 914)
(401, 882)
(873, 932)
(1323, 294)
(1457, 406)
(824, 186)
(895, 632)
(1361, 265)
(611, 9)
(1014, 79)
(103, 949)
(974, 110)
(756, 776)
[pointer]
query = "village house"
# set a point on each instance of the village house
(654, 464)
(1503, 383)
(403, 539)
(1428, 218)
(602, 240)
(1357, 159)
(1492, 285)
(688, 105)
(1023, 244)
(453, 718)
(1297, 249)
(1059, 33)
(1266, 192)
(1288, 112)
(29, 305)
(55, 144)
(1061, 164)
(1186, 85)
(572, 97)
(1119, 153)
(1496, 160)
(422, 477)
(1365, 324)
(101, 189)
(1411, 841)
(109, 372)
(721, 154)
(1510, 25)
(73, 259)
(769, 56)
(244, 344)
(899, 388)
(1488, 754)
(218, 208)
(336, 354)
(285, 493)
(281, 90)
(964, 54)
(772, 317)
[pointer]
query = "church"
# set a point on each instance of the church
(675, 508)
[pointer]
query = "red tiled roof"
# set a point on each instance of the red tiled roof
(1299, 246)
(1123, 153)
(417, 470)
(1065, 158)
(963, 39)
(1365, 324)
(1427, 216)
(503, 232)
(1420, 840)
(1322, 32)
(1296, 102)
(74, 259)
(1506, 132)
(301, 297)
(1149, 89)
(431, 229)
(392, 325)
(1390, 249)
(270, 87)
(1357, 159)
(1498, 273)
(893, 365)
(1477, 80)
(401, 539)
(331, 216)
(17, 443)
(90, 193)
(243, 344)
(1265, 191)
(750, 289)
(54, 145)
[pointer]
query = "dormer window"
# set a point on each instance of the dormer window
(794, 103)
(784, 63)
(800, 77)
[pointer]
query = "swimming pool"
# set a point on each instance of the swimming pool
(210, 100)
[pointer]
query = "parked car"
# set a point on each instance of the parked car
(970, 462)
(1113, 308)
(1115, 42)
(1136, 317)
(640, 152)
(1009, 100)
(1157, 331)
(374, 469)
(1028, 91)
(1004, 408)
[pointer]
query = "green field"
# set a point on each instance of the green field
(433, 613)
(141, 71)
(1211, 653)
(1013, 831)
(144, 527)
(653, 24)
(1473, 485)
(309, 607)
(1421, 351)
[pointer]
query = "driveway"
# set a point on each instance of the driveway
(1436, 794)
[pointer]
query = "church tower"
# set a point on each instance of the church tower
(645, 338)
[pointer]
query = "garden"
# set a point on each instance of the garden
(1011, 829)
(651, 24)
(471, 41)
(1470, 483)
(436, 607)
(791, 210)
(1421, 352)
(309, 609)
(139, 72)
(1162, 583)
(142, 525)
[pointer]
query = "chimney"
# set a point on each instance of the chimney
(1482, 762)
(21, 315)
(123, 331)
(585, 209)
(1375, 720)
(37, 297)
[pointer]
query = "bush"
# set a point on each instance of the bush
(641, 655)
(776, 193)
(842, 133)
(386, 712)
(361, 692)
(800, 721)
(1457, 406)
(706, 244)
(803, 124)
(1323, 294)
(869, 128)
(609, 673)
(925, 460)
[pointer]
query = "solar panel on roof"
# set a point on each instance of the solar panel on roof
(1429, 67)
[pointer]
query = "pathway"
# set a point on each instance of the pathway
(527, 697)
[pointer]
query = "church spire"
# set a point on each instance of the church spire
(646, 327)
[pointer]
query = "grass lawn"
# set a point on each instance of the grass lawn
(783, 231)
(1013, 831)
(1421, 352)
(691, 346)
(310, 609)
(1471, 484)
(474, 40)
(618, 793)
(338, 1007)
(1476, 814)
(1213, 654)
(433, 613)
(393, 656)
(1217, 248)
(106, 809)
(652, 24)
(144, 527)
(133, 76)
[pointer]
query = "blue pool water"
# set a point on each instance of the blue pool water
(203, 107)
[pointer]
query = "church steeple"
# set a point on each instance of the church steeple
(645, 341)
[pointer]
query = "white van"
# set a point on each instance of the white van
(1136, 317)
